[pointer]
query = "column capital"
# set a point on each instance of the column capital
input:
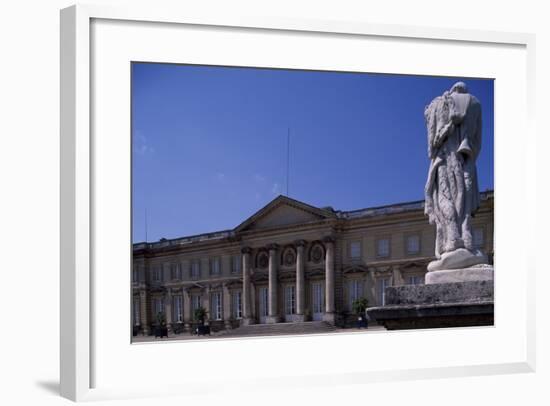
(300, 243)
(273, 247)
(246, 250)
(328, 239)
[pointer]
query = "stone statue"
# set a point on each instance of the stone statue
(452, 197)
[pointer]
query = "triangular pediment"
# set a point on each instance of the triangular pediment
(283, 211)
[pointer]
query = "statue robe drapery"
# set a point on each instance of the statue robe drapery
(452, 194)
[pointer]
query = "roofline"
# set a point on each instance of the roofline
(411, 202)
(231, 232)
(186, 237)
(386, 206)
(319, 211)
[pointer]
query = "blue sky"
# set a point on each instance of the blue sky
(209, 144)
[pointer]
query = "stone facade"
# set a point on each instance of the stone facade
(289, 262)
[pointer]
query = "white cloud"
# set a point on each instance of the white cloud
(141, 145)
(259, 178)
(276, 189)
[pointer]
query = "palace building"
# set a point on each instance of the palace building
(289, 262)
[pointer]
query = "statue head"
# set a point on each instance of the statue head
(459, 87)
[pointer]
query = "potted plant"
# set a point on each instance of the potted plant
(359, 307)
(161, 330)
(200, 314)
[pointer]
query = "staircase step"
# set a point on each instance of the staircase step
(308, 327)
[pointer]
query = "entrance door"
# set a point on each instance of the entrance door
(318, 299)
(262, 295)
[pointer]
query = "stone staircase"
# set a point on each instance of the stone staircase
(308, 327)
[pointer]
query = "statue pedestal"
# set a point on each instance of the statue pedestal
(454, 304)
(482, 272)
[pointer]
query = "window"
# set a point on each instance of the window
(382, 285)
(176, 271)
(263, 302)
(157, 273)
(290, 299)
(135, 274)
(137, 315)
(216, 299)
(195, 303)
(355, 291)
(318, 298)
(158, 306)
(383, 247)
(177, 310)
(215, 266)
(238, 305)
(236, 264)
(413, 244)
(477, 237)
(355, 250)
(195, 269)
(415, 280)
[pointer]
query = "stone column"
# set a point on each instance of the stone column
(144, 311)
(253, 304)
(206, 304)
(370, 287)
(187, 316)
(246, 296)
(168, 309)
(226, 308)
(300, 281)
(397, 277)
(273, 310)
(329, 280)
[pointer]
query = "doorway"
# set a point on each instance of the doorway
(318, 300)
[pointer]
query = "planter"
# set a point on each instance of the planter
(161, 331)
(203, 330)
(177, 328)
(362, 322)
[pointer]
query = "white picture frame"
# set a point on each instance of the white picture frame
(78, 351)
